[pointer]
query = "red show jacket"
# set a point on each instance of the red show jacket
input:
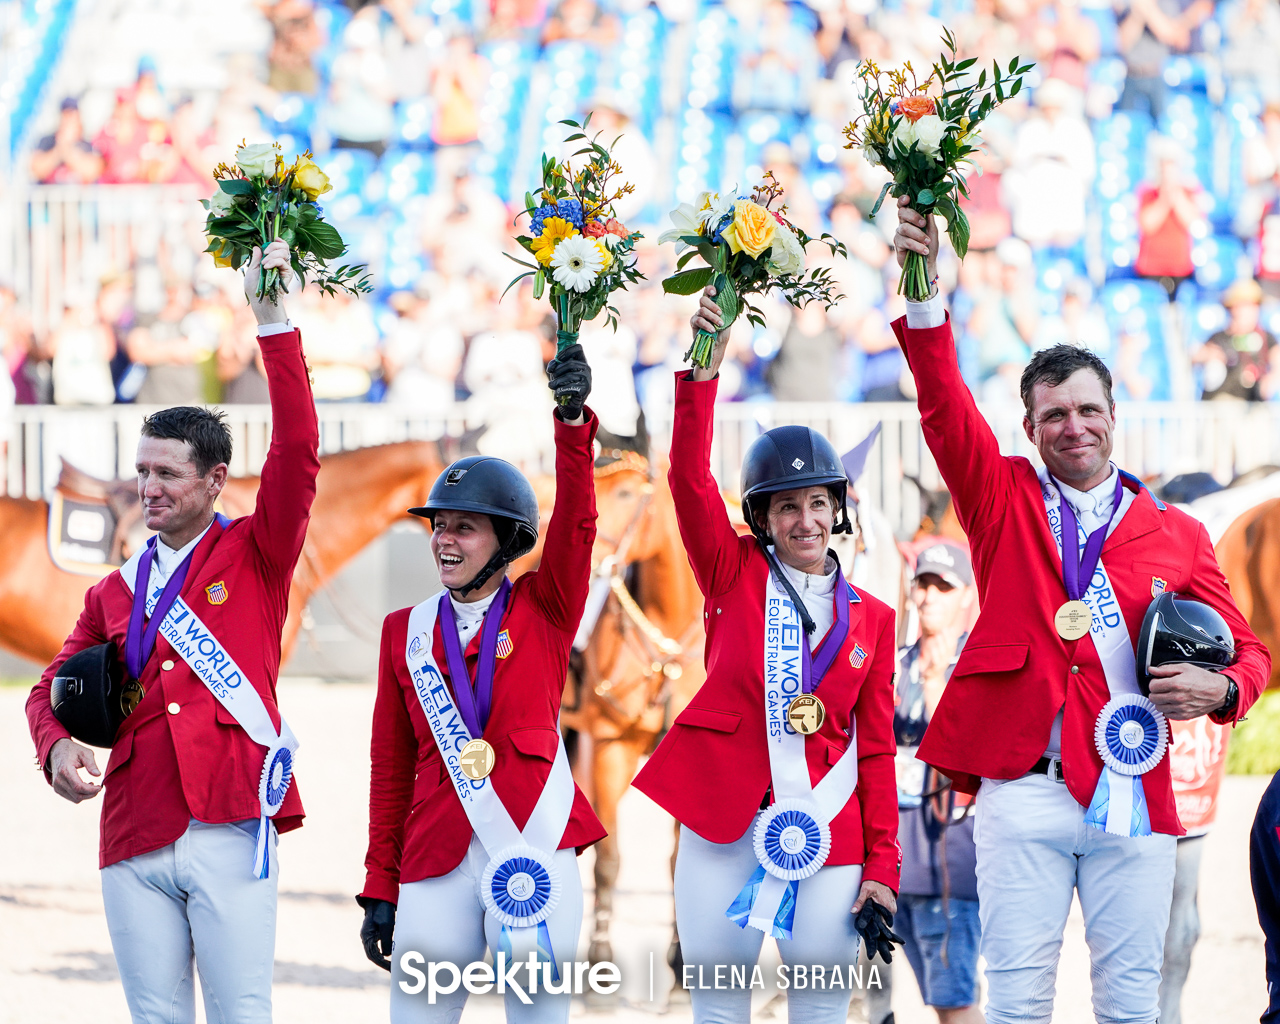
(417, 826)
(1016, 673)
(169, 766)
(711, 770)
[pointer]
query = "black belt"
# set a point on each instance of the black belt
(1050, 766)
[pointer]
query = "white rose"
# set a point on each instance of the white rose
(257, 161)
(929, 131)
(220, 203)
(787, 257)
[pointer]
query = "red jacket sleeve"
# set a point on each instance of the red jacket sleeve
(288, 484)
(968, 455)
(716, 552)
(877, 788)
(1252, 668)
(394, 756)
(559, 587)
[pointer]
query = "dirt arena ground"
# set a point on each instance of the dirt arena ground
(55, 957)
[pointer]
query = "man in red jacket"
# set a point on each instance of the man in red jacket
(1050, 663)
(187, 837)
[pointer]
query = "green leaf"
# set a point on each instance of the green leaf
(687, 282)
(925, 197)
(966, 64)
(958, 232)
(683, 261)
(726, 298)
(236, 187)
(323, 240)
(883, 192)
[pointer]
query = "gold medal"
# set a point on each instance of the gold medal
(1073, 620)
(476, 760)
(806, 714)
(130, 696)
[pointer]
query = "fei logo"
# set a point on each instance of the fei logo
(415, 646)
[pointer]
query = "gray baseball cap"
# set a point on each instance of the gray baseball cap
(946, 560)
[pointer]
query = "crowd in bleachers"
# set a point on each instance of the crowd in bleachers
(1128, 200)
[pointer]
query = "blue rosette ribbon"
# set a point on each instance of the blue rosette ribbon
(791, 841)
(1132, 737)
(520, 888)
(273, 787)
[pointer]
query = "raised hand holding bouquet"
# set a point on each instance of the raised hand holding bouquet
(261, 199)
(580, 249)
(921, 133)
(748, 247)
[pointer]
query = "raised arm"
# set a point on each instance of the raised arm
(877, 792)
(288, 484)
(716, 552)
(968, 455)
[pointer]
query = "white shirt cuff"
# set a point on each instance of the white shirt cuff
(266, 330)
(930, 313)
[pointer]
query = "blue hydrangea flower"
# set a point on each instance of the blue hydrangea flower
(539, 215)
(571, 210)
(717, 236)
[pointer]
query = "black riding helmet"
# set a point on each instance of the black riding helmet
(86, 695)
(1181, 631)
(493, 487)
(785, 458)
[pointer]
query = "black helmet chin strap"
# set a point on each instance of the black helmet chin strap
(498, 561)
(805, 618)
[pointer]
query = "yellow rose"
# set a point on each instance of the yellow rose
(751, 230)
(308, 177)
(222, 254)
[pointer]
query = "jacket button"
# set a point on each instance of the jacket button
(167, 666)
(1075, 670)
(174, 708)
(717, 611)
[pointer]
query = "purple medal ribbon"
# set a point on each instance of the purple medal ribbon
(139, 644)
(1077, 571)
(474, 700)
(815, 665)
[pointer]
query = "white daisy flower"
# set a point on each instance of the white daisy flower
(576, 263)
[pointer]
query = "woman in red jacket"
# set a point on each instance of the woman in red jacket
(780, 771)
(474, 818)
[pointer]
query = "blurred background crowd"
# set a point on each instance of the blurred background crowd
(1129, 200)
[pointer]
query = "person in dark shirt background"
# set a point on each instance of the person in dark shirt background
(1264, 873)
(66, 157)
(1240, 360)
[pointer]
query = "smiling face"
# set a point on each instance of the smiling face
(177, 499)
(1071, 425)
(462, 544)
(800, 521)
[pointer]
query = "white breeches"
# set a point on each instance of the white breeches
(708, 877)
(443, 920)
(1034, 849)
(194, 903)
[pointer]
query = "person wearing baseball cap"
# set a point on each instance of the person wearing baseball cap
(938, 898)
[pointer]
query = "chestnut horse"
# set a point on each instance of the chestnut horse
(1249, 554)
(358, 495)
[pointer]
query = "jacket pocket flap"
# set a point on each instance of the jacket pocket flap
(222, 715)
(120, 753)
(706, 718)
(834, 753)
(536, 742)
(997, 658)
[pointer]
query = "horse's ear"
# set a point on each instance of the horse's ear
(462, 446)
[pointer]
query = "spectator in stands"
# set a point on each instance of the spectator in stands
(1242, 361)
(131, 147)
(116, 312)
(1251, 31)
(163, 344)
(81, 349)
(989, 219)
(66, 157)
(296, 38)
(190, 156)
(777, 66)
(779, 159)
(1130, 375)
(1077, 322)
(807, 366)
(457, 87)
(515, 19)
(16, 346)
(1053, 167)
(361, 98)
(1260, 163)
(240, 366)
(836, 39)
(583, 20)
(464, 224)
(1168, 216)
(885, 375)
(1067, 44)
(340, 341)
(613, 115)
(911, 31)
(1004, 321)
(148, 97)
(421, 354)
(1150, 32)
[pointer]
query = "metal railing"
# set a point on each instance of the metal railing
(1156, 439)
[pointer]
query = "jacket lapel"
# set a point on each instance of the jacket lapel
(1142, 518)
(200, 559)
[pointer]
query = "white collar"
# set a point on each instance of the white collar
(811, 583)
(1096, 499)
(167, 559)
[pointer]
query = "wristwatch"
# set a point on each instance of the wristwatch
(1232, 701)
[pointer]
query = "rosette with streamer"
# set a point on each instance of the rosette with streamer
(520, 887)
(791, 840)
(1131, 734)
(273, 786)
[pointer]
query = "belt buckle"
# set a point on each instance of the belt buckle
(1054, 770)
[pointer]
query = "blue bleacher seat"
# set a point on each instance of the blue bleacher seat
(1217, 259)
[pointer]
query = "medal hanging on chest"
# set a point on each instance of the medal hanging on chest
(140, 640)
(1074, 619)
(474, 698)
(806, 712)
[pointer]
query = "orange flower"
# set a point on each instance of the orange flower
(915, 107)
(614, 226)
(594, 229)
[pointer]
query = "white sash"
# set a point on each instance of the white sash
(505, 844)
(214, 666)
(789, 770)
(1110, 636)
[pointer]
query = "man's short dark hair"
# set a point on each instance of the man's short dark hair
(1055, 364)
(204, 430)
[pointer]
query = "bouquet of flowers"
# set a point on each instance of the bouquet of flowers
(260, 199)
(748, 247)
(578, 246)
(922, 139)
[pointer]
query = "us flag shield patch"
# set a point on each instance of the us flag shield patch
(504, 644)
(857, 656)
(1158, 586)
(216, 592)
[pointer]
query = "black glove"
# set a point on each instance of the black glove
(569, 378)
(379, 925)
(875, 924)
